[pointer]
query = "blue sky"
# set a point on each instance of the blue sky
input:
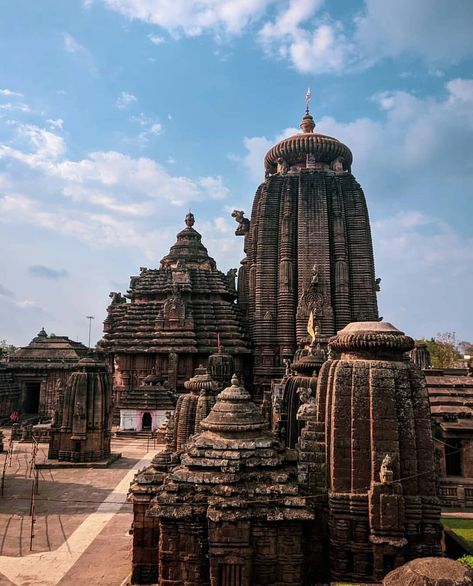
(117, 116)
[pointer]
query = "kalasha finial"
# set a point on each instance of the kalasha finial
(190, 219)
(308, 97)
(235, 381)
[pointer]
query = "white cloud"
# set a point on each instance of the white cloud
(12, 106)
(434, 30)
(44, 147)
(58, 123)
(150, 127)
(10, 93)
(153, 130)
(192, 18)
(106, 198)
(125, 99)
(414, 294)
(311, 47)
(156, 39)
(303, 32)
(71, 45)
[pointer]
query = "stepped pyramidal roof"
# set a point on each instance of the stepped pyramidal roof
(48, 351)
(183, 306)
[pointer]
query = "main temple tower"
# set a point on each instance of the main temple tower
(308, 249)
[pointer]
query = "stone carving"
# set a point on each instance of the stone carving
(206, 496)
(82, 426)
(231, 278)
(396, 527)
(174, 308)
(170, 310)
(307, 410)
(311, 161)
(283, 166)
(243, 223)
(287, 364)
(190, 220)
(377, 284)
(117, 297)
(386, 470)
(337, 165)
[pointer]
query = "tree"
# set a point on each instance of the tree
(6, 349)
(465, 348)
(443, 349)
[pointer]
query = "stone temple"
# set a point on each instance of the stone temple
(170, 321)
(332, 476)
(308, 249)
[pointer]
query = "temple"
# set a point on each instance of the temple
(35, 372)
(308, 250)
(172, 319)
(297, 425)
(332, 476)
(81, 429)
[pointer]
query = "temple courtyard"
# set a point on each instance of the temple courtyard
(82, 519)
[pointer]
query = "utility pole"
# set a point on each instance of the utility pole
(90, 318)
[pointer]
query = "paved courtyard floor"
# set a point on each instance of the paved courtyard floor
(82, 519)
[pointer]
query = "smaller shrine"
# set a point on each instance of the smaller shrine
(374, 454)
(173, 318)
(144, 408)
(37, 371)
(231, 512)
(81, 429)
(294, 389)
(194, 406)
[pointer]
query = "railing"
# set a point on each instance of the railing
(456, 492)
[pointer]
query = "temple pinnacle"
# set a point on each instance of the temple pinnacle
(308, 97)
(190, 220)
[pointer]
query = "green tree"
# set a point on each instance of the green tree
(6, 349)
(465, 347)
(443, 349)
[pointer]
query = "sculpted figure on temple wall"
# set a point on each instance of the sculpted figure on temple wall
(243, 223)
(310, 161)
(386, 472)
(116, 297)
(283, 166)
(337, 165)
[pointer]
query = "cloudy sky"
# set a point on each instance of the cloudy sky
(118, 116)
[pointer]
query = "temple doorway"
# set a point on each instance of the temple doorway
(146, 422)
(31, 397)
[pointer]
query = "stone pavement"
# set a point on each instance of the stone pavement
(82, 520)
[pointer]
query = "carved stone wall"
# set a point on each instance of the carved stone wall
(81, 428)
(379, 458)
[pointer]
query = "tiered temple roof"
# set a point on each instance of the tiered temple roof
(182, 306)
(49, 352)
(235, 495)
